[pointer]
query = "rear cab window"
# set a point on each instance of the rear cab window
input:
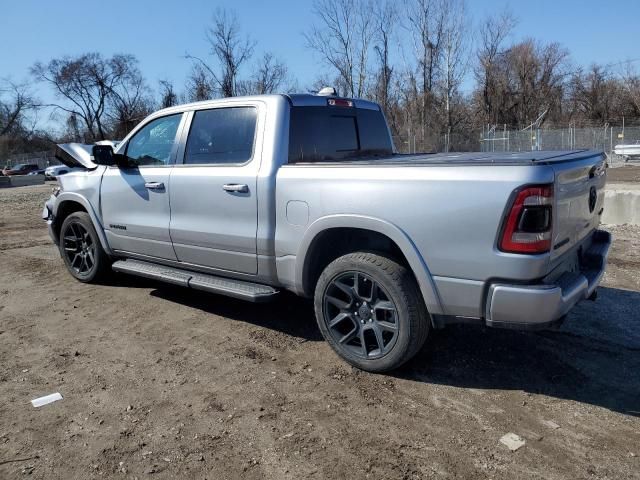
(333, 133)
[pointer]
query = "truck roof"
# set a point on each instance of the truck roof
(295, 99)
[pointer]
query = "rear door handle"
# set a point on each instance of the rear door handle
(154, 185)
(236, 187)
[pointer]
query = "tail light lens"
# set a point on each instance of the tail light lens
(339, 102)
(528, 224)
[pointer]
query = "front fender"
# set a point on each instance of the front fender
(407, 247)
(97, 224)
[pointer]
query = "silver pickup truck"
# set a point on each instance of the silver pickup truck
(248, 196)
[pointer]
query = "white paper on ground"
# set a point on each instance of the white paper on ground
(512, 441)
(550, 424)
(38, 402)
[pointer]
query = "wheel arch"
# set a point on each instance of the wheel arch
(312, 257)
(70, 202)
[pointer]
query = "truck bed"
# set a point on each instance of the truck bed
(473, 158)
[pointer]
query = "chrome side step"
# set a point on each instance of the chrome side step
(253, 292)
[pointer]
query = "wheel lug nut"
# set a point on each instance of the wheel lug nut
(362, 322)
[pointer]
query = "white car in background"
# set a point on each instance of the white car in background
(628, 151)
(50, 173)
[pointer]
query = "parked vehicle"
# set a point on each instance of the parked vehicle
(54, 171)
(628, 151)
(248, 196)
(20, 169)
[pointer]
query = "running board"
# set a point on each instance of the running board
(253, 292)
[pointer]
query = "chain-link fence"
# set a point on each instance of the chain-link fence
(604, 138)
(454, 142)
(598, 138)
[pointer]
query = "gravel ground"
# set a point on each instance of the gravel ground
(162, 382)
(624, 173)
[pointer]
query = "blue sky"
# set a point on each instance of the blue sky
(160, 32)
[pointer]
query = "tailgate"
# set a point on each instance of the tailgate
(579, 197)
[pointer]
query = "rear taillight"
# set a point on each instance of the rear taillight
(527, 228)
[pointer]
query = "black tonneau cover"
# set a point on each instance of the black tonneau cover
(472, 158)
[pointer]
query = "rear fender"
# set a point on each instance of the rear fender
(408, 249)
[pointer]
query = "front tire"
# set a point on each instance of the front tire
(371, 312)
(81, 250)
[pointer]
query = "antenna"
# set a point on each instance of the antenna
(328, 92)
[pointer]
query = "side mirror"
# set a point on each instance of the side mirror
(103, 155)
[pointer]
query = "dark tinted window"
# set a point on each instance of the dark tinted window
(318, 134)
(374, 134)
(221, 135)
(345, 136)
(153, 143)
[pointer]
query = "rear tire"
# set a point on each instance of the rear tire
(370, 310)
(81, 250)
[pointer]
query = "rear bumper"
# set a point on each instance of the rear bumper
(540, 306)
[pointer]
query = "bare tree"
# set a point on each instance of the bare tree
(87, 84)
(129, 99)
(229, 48)
(527, 80)
(342, 39)
(426, 25)
(72, 132)
(455, 57)
(18, 118)
(631, 82)
(517, 83)
(16, 101)
(594, 95)
(385, 16)
(269, 75)
(168, 95)
(493, 33)
(199, 84)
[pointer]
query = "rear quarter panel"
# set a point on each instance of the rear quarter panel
(451, 214)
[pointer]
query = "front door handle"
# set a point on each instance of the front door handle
(236, 187)
(154, 185)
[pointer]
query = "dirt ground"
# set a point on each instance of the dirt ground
(625, 173)
(162, 382)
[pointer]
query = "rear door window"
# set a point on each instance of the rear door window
(221, 136)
